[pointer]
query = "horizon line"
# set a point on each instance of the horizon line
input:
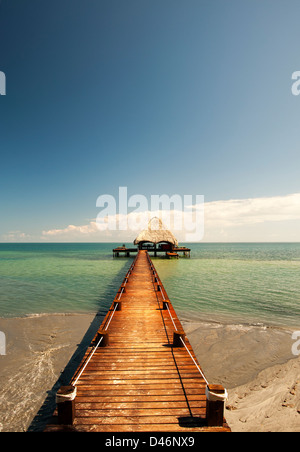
(196, 243)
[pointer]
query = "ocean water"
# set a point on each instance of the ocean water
(232, 283)
(236, 283)
(58, 278)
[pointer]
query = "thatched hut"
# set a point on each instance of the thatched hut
(156, 236)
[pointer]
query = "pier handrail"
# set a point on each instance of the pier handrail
(202, 374)
(164, 299)
(106, 327)
(214, 393)
(122, 290)
(87, 361)
(112, 314)
(95, 348)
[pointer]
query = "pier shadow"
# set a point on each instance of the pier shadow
(45, 412)
(192, 422)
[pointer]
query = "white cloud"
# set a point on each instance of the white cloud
(16, 236)
(87, 229)
(85, 233)
(254, 219)
(253, 210)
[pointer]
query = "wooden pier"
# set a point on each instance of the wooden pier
(127, 252)
(140, 373)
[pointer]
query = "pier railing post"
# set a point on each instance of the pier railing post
(65, 400)
(118, 305)
(177, 336)
(104, 334)
(216, 396)
(166, 304)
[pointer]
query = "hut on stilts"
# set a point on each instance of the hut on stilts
(157, 238)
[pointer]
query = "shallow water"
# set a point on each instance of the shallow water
(251, 283)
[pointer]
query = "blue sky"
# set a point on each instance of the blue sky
(161, 96)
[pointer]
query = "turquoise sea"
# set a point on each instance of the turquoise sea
(231, 283)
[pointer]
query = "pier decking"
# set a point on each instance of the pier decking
(140, 373)
(127, 252)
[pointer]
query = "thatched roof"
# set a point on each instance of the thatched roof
(156, 233)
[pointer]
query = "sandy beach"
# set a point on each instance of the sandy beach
(269, 403)
(254, 363)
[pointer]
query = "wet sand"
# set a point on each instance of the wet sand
(254, 363)
(37, 350)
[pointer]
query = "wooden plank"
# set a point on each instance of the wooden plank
(94, 391)
(125, 420)
(139, 413)
(140, 398)
(144, 373)
(169, 428)
(117, 405)
(140, 387)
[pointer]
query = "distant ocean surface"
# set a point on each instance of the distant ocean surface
(231, 283)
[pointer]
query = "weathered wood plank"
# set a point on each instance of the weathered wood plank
(99, 391)
(125, 420)
(141, 398)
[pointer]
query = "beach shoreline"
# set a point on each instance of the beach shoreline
(252, 362)
(256, 365)
(38, 348)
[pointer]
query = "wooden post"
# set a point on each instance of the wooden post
(166, 304)
(215, 400)
(177, 336)
(119, 305)
(105, 340)
(65, 400)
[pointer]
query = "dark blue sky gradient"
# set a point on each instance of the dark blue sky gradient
(161, 96)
